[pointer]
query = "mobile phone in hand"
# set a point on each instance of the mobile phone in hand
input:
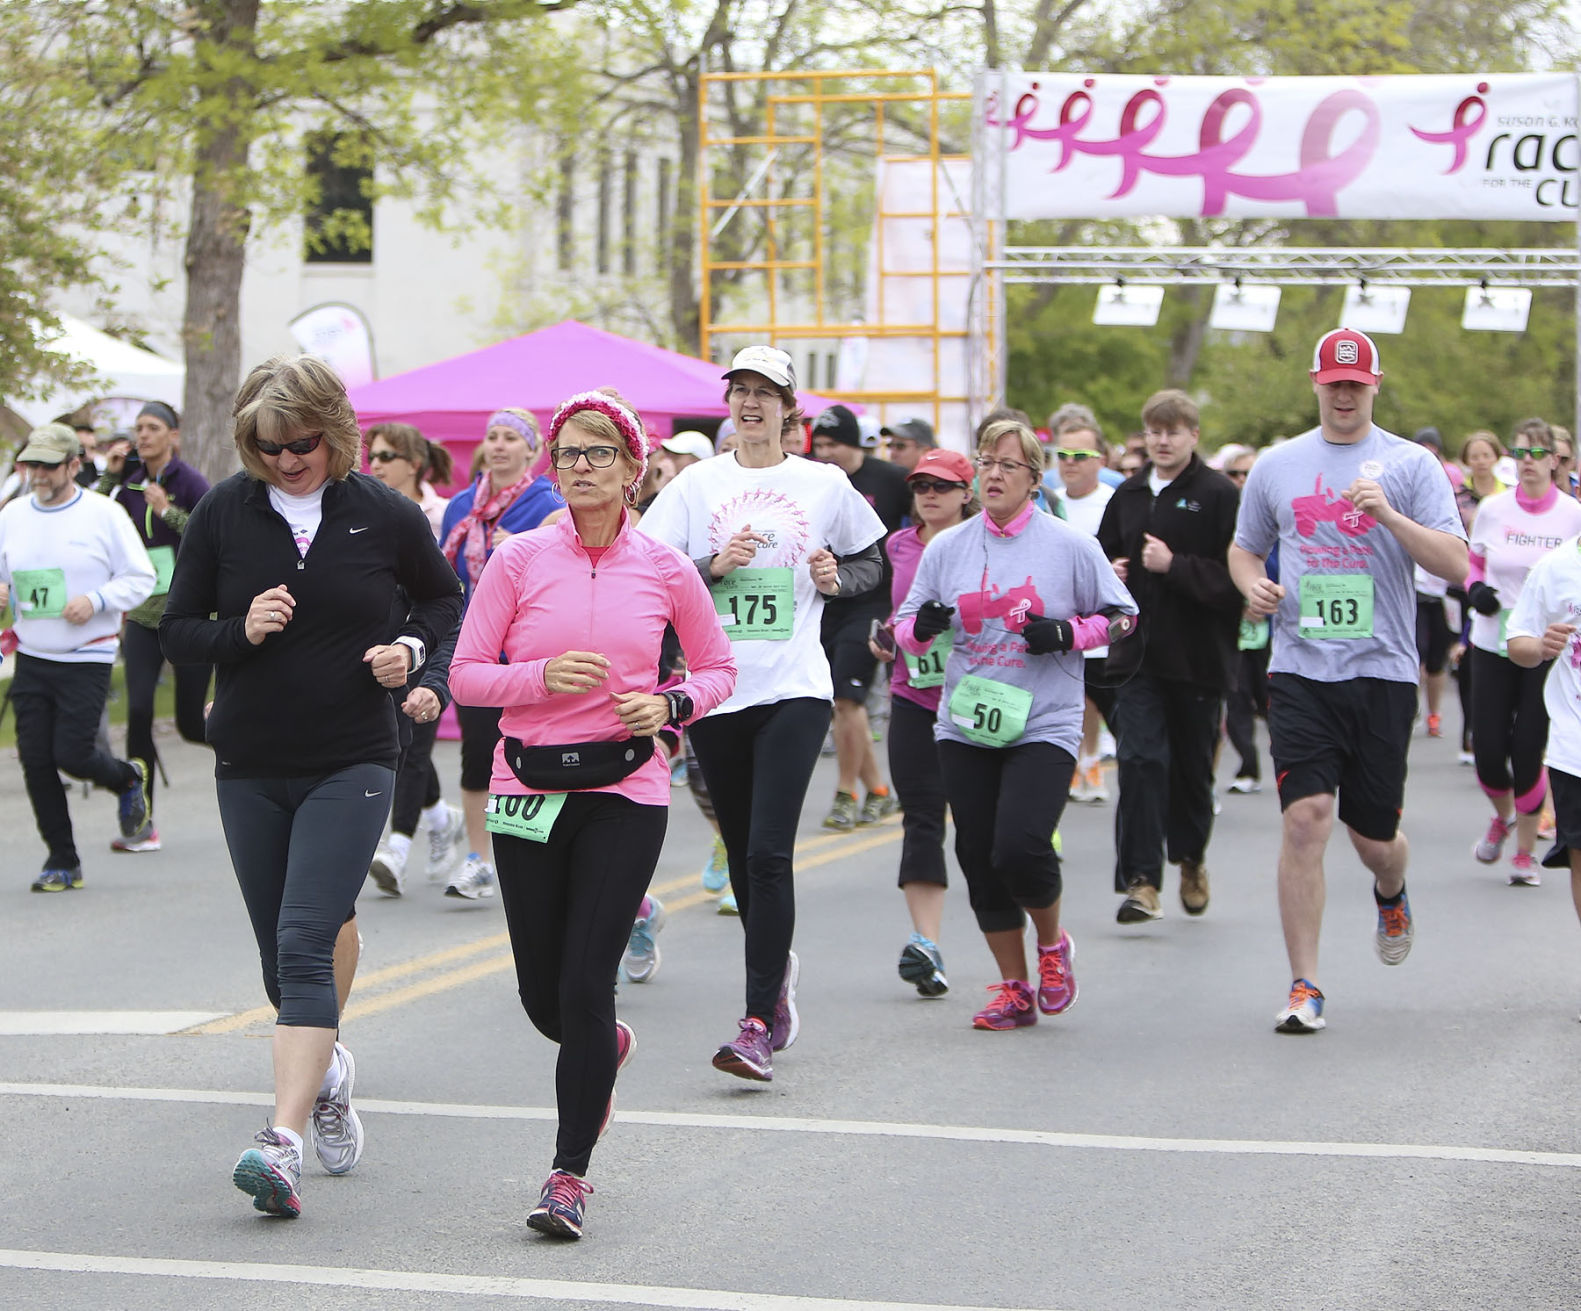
(879, 633)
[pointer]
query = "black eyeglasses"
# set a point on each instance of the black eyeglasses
(1536, 452)
(302, 446)
(988, 465)
(384, 457)
(935, 485)
(598, 457)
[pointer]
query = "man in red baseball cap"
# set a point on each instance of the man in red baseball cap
(1353, 510)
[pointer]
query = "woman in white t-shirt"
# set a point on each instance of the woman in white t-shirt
(772, 536)
(1513, 530)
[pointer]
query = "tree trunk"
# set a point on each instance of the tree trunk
(682, 237)
(1185, 344)
(216, 254)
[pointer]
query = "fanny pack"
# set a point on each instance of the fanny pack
(578, 765)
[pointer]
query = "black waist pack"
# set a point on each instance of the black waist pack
(577, 766)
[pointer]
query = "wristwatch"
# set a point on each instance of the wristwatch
(416, 647)
(680, 708)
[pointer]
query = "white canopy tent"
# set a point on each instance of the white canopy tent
(124, 371)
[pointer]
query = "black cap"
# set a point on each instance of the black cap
(840, 424)
(1429, 437)
(912, 430)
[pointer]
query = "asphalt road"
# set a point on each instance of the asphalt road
(1158, 1146)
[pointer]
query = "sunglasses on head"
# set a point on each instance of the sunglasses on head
(1536, 452)
(1078, 456)
(384, 457)
(934, 485)
(302, 446)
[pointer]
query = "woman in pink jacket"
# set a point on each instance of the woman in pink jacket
(579, 798)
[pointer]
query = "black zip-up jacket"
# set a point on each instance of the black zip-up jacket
(302, 703)
(1191, 615)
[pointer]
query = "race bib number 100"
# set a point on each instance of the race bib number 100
(1336, 605)
(531, 817)
(755, 604)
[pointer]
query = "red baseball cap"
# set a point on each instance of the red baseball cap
(949, 466)
(1346, 355)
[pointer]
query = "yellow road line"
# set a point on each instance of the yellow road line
(428, 987)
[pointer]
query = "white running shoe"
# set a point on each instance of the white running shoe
(475, 880)
(337, 1132)
(642, 959)
(388, 870)
(447, 844)
(1245, 786)
(1491, 847)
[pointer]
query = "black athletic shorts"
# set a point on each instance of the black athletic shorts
(851, 664)
(1349, 738)
(1432, 633)
(1564, 790)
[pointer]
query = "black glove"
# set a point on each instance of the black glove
(1048, 636)
(1484, 600)
(932, 619)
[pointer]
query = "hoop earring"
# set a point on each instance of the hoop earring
(554, 491)
(630, 496)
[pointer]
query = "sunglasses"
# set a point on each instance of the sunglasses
(1236, 473)
(384, 457)
(935, 485)
(302, 446)
(598, 457)
(1078, 456)
(1536, 452)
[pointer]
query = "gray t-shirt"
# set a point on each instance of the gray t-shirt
(1350, 597)
(995, 582)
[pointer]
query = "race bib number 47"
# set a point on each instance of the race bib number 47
(39, 593)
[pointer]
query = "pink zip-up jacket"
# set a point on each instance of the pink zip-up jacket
(541, 596)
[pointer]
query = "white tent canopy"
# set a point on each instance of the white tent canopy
(124, 371)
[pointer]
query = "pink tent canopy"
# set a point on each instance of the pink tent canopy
(451, 401)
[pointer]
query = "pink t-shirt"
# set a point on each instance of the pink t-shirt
(1509, 535)
(904, 548)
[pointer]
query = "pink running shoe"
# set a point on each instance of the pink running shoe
(625, 1045)
(1056, 984)
(749, 1055)
(1011, 1007)
(1491, 847)
(1524, 871)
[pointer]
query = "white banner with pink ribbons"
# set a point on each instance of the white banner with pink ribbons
(1468, 146)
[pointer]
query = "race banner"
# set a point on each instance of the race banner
(1464, 146)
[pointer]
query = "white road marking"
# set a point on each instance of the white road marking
(419, 1281)
(34, 1024)
(855, 1128)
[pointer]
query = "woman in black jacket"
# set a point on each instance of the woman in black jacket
(286, 580)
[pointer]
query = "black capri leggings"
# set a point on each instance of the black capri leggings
(569, 904)
(480, 731)
(914, 768)
(140, 650)
(301, 847)
(417, 781)
(758, 763)
(1006, 804)
(1509, 727)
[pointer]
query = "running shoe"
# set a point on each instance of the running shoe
(58, 879)
(1396, 929)
(447, 843)
(842, 815)
(750, 1054)
(562, 1206)
(1097, 791)
(145, 839)
(132, 805)
(1524, 871)
(787, 1020)
(625, 1045)
(272, 1173)
(1245, 785)
(1303, 1013)
(1193, 886)
(1011, 1007)
(642, 959)
(877, 806)
(922, 965)
(1491, 847)
(387, 869)
(1078, 788)
(678, 771)
(1140, 904)
(337, 1132)
(716, 873)
(1546, 829)
(727, 905)
(1056, 983)
(475, 880)
(1466, 758)
(1435, 726)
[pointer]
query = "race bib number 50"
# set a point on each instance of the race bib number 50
(990, 713)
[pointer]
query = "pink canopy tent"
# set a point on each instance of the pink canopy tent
(451, 401)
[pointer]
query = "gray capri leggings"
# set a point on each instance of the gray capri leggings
(301, 848)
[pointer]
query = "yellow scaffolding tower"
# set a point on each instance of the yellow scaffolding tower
(786, 188)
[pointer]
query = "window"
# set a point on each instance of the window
(339, 221)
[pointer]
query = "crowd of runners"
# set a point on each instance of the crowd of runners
(614, 613)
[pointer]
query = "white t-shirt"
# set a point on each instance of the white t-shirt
(1511, 539)
(800, 506)
(1086, 513)
(302, 513)
(1552, 595)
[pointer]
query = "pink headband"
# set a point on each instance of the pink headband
(505, 419)
(629, 425)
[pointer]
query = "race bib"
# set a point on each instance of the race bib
(992, 714)
(1336, 605)
(163, 558)
(531, 817)
(1254, 635)
(927, 669)
(756, 604)
(39, 593)
(1504, 631)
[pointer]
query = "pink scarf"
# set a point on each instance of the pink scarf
(472, 534)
